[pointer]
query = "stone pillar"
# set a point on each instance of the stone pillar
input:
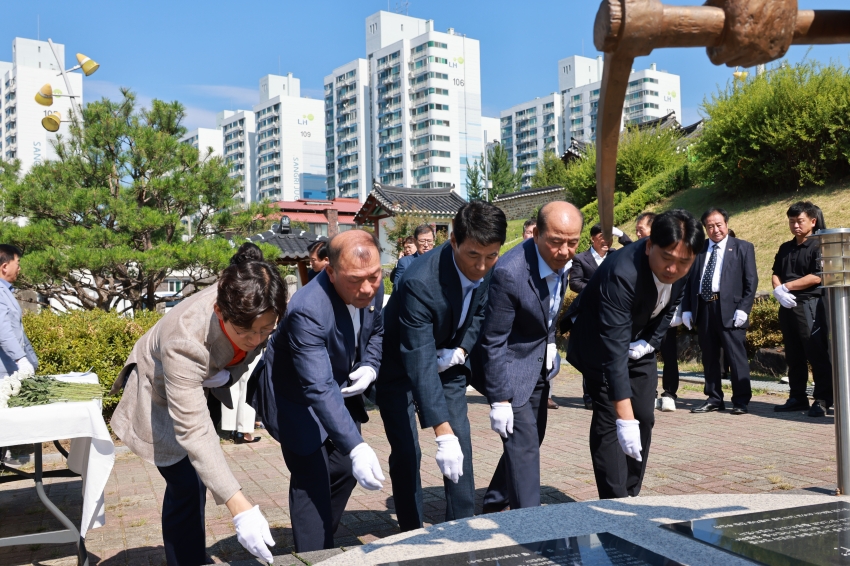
(333, 222)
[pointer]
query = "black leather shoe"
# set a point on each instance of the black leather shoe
(709, 408)
(792, 404)
(588, 404)
(740, 410)
(817, 410)
(240, 439)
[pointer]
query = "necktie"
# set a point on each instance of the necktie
(705, 290)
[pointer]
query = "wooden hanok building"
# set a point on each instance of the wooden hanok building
(384, 202)
(293, 244)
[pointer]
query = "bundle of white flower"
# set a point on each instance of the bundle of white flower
(11, 386)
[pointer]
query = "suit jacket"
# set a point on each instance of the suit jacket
(163, 412)
(584, 265)
(613, 310)
(307, 362)
(14, 343)
(421, 318)
(402, 266)
(738, 281)
(511, 353)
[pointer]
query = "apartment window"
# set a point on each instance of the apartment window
(373, 28)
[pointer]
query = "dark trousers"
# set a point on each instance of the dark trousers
(670, 354)
(399, 415)
(183, 515)
(712, 337)
(516, 481)
(617, 475)
(319, 487)
(804, 334)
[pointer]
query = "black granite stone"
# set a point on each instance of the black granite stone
(814, 535)
(600, 549)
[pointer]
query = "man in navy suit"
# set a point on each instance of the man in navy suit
(324, 354)
(432, 321)
(586, 262)
(718, 299)
(424, 238)
(517, 352)
(615, 326)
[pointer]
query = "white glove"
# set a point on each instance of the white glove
(617, 232)
(639, 349)
(628, 435)
(360, 378)
(676, 321)
(502, 418)
(784, 296)
(449, 456)
(740, 319)
(25, 367)
(365, 467)
(447, 358)
(219, 379)
(252, 532)
(688, 319)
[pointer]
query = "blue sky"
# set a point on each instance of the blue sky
(210, 55)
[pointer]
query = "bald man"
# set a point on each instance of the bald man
(324, 355)
(517, 354)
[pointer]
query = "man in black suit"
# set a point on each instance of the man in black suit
(432, 321)
(517, 350)
(615, 326)
(324, 354)
(718, 298)
(586, 262)
(424, 238)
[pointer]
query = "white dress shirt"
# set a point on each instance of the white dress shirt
(598, 258)
(718, 267)
(355, 321)
(664, 291)
(467, 286)
(553, 281)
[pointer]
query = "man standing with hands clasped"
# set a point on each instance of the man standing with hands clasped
(517, 353)
(16, 351)
(432, 321)
(615, 326)
(718, 299)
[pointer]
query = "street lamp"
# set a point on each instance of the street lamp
(46, 93)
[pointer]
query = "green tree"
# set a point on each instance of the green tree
(580, 177)
(474, 182)
(503, 178)
(108, 218)
(643, 154)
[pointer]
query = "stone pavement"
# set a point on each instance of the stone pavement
(714, 453)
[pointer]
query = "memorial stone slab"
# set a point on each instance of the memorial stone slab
(599, 549)
(812, 535)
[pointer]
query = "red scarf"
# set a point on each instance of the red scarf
(238, 355)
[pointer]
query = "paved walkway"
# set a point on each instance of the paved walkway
(715, 453)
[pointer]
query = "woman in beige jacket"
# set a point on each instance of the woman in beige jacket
(163, 417)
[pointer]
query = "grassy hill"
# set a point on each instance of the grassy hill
(759, 219)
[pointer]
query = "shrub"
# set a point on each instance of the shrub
(784, 129)
(644, 154)
(388, 286)
(764, 329)
(80, 340)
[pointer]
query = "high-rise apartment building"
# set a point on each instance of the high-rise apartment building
(204, 139)
(238, 130)
(290, 162)
(422, 109)
(348, 137)
(21, 134)
(531, 129)
(651, 94)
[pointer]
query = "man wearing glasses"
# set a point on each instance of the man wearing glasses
(425, 238)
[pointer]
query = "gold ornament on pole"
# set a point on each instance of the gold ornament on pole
(52, 121)
(45, 95)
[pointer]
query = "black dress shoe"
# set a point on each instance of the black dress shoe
(740, 410)
(550, 404)
(817, 409)
(709, 408)
(240, 439)
(792, 404)
(588, 404)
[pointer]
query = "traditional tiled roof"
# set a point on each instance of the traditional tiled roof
(576, 150)
(293, 246)
(528, 193)
(386, 200)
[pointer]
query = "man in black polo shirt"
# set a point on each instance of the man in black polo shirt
(801, 316)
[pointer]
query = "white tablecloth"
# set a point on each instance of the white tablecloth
(92, 453)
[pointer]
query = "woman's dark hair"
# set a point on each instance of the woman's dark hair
(481, 222)
(410, 240)
(677, 225)
(250, 287)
